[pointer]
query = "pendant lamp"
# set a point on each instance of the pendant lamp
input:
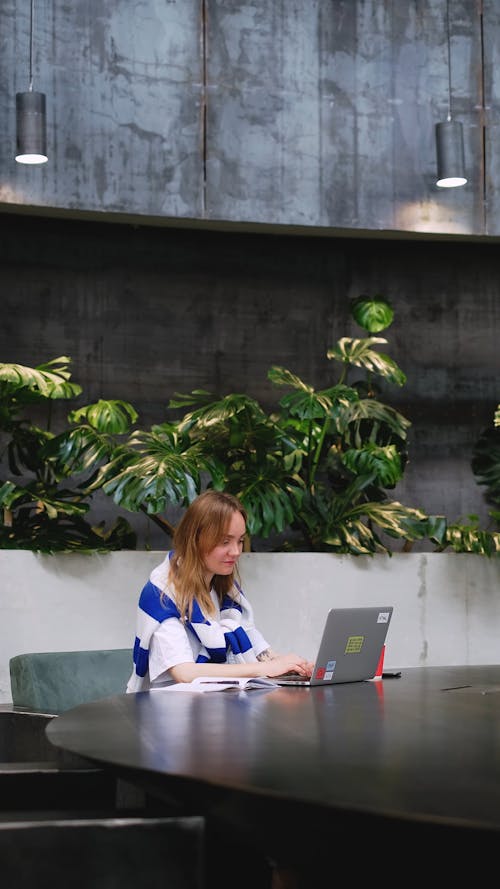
(449, 137)
(31, 126)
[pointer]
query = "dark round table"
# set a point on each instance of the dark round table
(410, 763)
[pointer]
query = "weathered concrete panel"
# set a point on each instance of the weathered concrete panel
(491, 115)
(264, 118)
(124, 105)
(324, 113)
(319, 114)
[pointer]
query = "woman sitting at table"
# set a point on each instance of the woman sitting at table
(193, 618)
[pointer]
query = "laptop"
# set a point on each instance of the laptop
(350, 647)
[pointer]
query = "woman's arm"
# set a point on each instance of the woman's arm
(278, 664)
(267, 655)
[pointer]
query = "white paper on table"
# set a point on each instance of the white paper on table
(203, 684)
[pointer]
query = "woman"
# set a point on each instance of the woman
(193, 617)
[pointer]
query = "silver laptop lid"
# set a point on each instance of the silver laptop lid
(351, 644)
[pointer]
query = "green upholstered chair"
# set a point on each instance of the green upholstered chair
(55, 681)
(36, 776)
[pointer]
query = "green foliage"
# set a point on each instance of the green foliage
(373, 314)
(42, 507)
(314, 473)
(486, 464)
(109, 417)
(155, 469)
(314, 470)
(360, 353)
(468, 538)
(21, 385)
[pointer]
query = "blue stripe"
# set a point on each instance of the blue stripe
(237, 640)
(228, 602)
(141, 658)
(197, 616)
(157, 606)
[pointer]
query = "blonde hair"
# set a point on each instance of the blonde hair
(200, 529)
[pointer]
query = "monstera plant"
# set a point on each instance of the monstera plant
(486, 464)
(317, 466)
(315, 473)
(42, 506)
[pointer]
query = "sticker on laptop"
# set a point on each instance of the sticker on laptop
(327, 672)
(354, 644)
(383, 617)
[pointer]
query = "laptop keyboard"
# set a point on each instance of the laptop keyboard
(291, 679)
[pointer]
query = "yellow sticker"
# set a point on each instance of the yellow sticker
(354, 644)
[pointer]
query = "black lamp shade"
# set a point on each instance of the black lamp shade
(31, 128)
(450, 154)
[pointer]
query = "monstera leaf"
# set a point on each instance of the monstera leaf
(373, 314)
(21, 385)
(360, 353)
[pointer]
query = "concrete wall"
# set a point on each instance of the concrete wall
(317, 118)
(446, 607)
(147, 312)
(316, 114)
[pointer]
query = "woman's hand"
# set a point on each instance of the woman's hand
(288, 663)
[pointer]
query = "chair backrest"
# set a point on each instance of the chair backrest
(55, 681)
(122, 853)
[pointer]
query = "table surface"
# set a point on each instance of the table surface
(422, 748)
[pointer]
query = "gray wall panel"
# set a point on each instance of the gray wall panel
(264, 125)
(328, 118)
(124, 90)
(492, 114)
(318, 114)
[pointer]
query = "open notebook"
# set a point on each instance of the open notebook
(350, 646)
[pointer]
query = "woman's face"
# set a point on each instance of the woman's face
(224, 556)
